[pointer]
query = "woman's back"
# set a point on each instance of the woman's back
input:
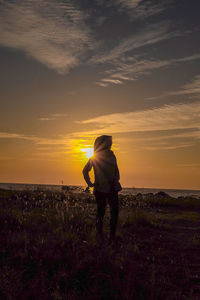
(105, 170)
(104, 164)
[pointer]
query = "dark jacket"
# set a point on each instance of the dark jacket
(106, 172)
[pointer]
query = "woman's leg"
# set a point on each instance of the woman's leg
(101, 208)
(114, 212)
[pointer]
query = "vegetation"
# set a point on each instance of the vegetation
(49, 248)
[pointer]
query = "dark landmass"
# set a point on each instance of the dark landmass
(49, 248)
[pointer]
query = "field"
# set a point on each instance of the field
(49, 248)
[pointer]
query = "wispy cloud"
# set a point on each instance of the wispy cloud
(193, 134)
(5, 135)
(142, 9)
(44, 148)
(4, 158)
(35, 139)
(169, 127)
(162, 140)
(168, 147)
(168, 117)
(192, 165)
(164, 136)
(46, 119)
(191, 88)
(129, 3)
(123, 62)
(132, 69)
(110, 80)
(53, 117)
(175, 126)
(148, 36)
(51, 147)
(53, 31)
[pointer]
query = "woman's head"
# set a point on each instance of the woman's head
(103, 142)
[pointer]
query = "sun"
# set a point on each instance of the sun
(83, 149)
(89, 152)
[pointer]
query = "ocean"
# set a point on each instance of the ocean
(130, 191)
(172, 192)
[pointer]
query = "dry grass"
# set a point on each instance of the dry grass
(49, 249)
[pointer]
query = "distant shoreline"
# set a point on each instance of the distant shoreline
(78, 188)
(83, 186)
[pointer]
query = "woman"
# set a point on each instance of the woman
(106, 185)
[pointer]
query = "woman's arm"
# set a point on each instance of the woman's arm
(117, 176)
(86, 171)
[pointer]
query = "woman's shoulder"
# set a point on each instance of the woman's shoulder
(112, 154)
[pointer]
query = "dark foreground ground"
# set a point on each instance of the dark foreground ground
(49, 250)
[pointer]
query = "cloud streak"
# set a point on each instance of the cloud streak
(142, 9)
(168, 117)
(53, 117)
(132, 69)
(189, 165)
(150, 35)
(168, 147)
(191, 88)
(169, 127)
(35, 139)
(52, 32)
(125, 64)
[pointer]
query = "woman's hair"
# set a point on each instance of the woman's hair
(103, 142)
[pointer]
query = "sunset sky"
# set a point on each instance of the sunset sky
(73, 70)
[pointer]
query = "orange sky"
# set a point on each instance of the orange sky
(73, 71)
(139, 165)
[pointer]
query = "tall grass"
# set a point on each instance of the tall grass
(49, 251)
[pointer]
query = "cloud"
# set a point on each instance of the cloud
(128, 69)
(170, 135)
(109, 80)
(162, 140)
(5, 135)
(129, 3)
(53, 117)
(142, 9)
(46, 119)
(44, 147)
(169, 147)
(188, 58)
(35, 139)
(53, 31)
(6, 158)
(158, 137)
(167, 117)
(168, 127)
(59, 115)
(193, 165)
(125, 65)
(102, 84)
(192, 88)
(150, 35)
(131, 70)
(164, 128)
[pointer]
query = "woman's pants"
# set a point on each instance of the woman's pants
(102, 199)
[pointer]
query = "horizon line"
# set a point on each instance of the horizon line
(123, 187)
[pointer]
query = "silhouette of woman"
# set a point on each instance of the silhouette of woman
(106, 185)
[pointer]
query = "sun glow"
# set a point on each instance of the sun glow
(89, 152)
(83, 149)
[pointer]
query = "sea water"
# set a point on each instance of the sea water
(130, 191)
(172, 192)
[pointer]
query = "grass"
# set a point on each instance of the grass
(49, 250)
